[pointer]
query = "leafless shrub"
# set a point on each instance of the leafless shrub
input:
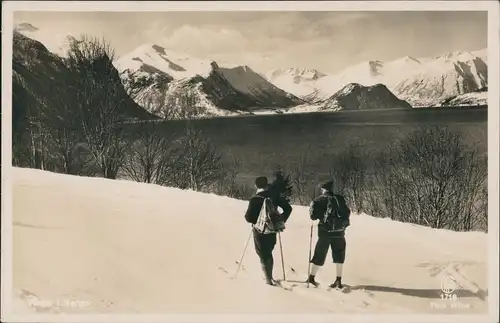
(152, 155)
(301, 176)
(349, 171)
(228, 184)
(200, 165)
(431, 179)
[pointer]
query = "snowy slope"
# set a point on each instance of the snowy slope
(118, 246)
(442, 77)
(176, 64)
(222, 90)
(420, 81)
(299, 81)
(475, 98)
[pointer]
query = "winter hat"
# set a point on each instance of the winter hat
(261, 182)
(327, 186)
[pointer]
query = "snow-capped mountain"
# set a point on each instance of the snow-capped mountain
(442, 77)
(420, 81)
(299, 81)
(355, 96)
(152, 70)
(154, 73)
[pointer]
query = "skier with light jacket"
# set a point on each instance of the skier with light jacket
(265, 240)
(333, 215)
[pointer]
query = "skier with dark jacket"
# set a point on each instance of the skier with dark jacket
(333, 215)
(265, 241)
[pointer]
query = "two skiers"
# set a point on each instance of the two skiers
(329, 209)
(333, 215)
(266, 222)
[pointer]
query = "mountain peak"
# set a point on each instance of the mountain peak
(296, 73)
(457, 55)
(351, 87)
(24, 26)
(374, 67)
(355, 96)
(159, 49)
(410, 59)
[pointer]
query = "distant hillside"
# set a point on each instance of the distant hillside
(38, 74)
(357, 97)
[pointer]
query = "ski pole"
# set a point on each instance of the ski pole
(282, 261)
(243, 254)
(310, 249)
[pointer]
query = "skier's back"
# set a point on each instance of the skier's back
(333, 215)
(265, 240)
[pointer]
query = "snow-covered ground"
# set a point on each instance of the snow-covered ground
(101, 246)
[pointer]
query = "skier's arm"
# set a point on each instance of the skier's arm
(253, 210)
(313, 210)
(287, 209)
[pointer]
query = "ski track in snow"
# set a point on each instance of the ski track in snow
(104, 242)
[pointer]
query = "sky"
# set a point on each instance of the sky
(327, 41)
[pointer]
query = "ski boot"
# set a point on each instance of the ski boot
(337, 284)
(312, 281)
(267, 268)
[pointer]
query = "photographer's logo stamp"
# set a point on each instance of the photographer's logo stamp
(450, 287)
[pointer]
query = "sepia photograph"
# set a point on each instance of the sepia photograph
(179, 161)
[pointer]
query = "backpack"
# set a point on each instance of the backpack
(270, 220)
(334, 219)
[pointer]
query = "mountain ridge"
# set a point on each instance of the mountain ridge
(152, 72)
(409, 78)
(223, 90)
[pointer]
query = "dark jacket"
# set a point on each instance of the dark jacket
(255, 205)
(317, 211)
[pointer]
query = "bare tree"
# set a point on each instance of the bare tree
(349, 169)
(152, 155)
(99, 101)
(300, 176)
(382, 186)
(228, 183)
(200, 165)
(63, 128)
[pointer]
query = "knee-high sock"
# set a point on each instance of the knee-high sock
(339, 269)
(267, 268)
(270, 264)
(314, 269)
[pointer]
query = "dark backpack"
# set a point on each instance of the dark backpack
(336, 218)
(270, 220)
